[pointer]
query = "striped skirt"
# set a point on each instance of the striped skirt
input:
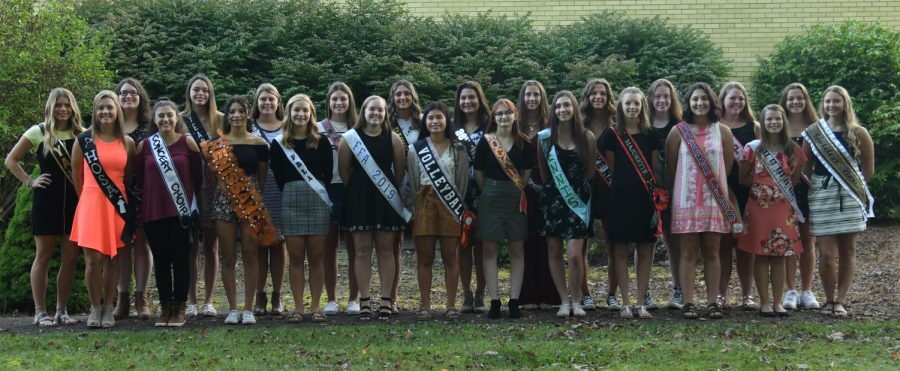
(303, 212)
(831, 209)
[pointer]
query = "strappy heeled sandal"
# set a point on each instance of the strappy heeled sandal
(384, 310)
(365, 310)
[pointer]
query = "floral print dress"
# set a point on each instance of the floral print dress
(559, 220)
(770, 219)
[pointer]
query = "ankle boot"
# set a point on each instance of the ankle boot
(514, 311)
(123, 305)
(495, 309)
(177, 319)
(260, 307)
(165, 314)
(141, 304)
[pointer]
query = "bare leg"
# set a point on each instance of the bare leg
(226, 234)
(451, 268)
(611, 274)
(478, 256)
(193, 267)
(315, 250)
(277, 264)
(807, 259)
(329, 262)
(262, 258)
(828, 251)
(40, 269)
(726, 262)
(363, 260)
(846, 264)
(489, 252)
(125, 259)
(621, 264)
(761, 273)
(398, 242)
(674, 257)
(777, 266)
(384, 246)
(688, 245)
(516, 267)
(296, 247)
(710, 247)
(110, 279)
(585, 289)
(66, 276)
(249, 247)
(744, 263)
(211, 262)
(353, 284)
(557, 269)
(576, 267)
(643, 265)
(424, 262)
(143, 262)
(93, 275)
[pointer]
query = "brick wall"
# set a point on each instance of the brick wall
(744, 29)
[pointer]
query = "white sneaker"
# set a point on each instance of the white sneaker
(208, 310)
(790, 300)
(191, 311)
(232, 318)
(352, 307)
(564, 310)
(808, 300)
(331, 308)
(578, 311)
(247, 318)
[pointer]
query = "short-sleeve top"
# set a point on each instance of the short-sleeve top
(522, 157)
(761, 175)
(250, 155)
(318, 161)
(625, 173)
(157, 200)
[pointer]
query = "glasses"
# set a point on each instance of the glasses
(503, 113)
(126, 93)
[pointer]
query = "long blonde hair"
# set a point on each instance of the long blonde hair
(289, 126)
(50, 136)
(119, 130)
(746, 114)
(674, 108)
(361, 121)
(643, 116)
(212, 111)
(850, 122)
(271, 89)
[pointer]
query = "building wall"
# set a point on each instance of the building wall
(744, 29)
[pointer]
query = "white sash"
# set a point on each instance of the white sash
(773, 167)
(186, 210)
(378, 178)
(301, 168)
(868, 209)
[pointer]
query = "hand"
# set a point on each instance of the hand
(41, 181)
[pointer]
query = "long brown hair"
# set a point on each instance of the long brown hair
(144, 104)
(643, 117)
(587, 109)
(674, 108)
(352, 114)
(579, 135)
(781, 140)
(153, 128)
(519, 138)
(50, 136)
(713, 115)
(543, 107)
(212, 110)
(459, 117)
(415, 113)
(809, 112)
(289, 126)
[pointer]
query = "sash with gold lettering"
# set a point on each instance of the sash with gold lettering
(245, 199)
(840, 164)
(196, 128)
(509, 169)
(61, 156)
(573, 201)
(446, 190)
(188, 213)
(112, 192)
(378, 177)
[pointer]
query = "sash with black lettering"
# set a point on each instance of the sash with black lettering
(773, 167)
(61, 156)
(115, 196)
(840, 164)
(703, 164)
(196, 128)
(301, 168)
(573, 201)
(446, 190)
(658, 196)
(509, 168)
(378, 178)
(188, 213)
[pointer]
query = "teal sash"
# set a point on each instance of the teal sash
(579, 207)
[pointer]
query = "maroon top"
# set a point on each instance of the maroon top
(157, 202)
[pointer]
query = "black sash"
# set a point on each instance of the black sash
(196, 128)
(658, 196)
(86, 141)
(445, 189)
(463, 137)
(62, 157)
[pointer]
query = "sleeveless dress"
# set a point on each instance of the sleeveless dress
(271, 193)
(559, 220)
(53, 207)
(537, 283)
(694, 209)
(744, 134)
(630, 209)
(97, 225)
(207, 194)
(771, 222)
(134, 189)
(367, 209)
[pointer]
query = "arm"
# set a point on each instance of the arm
(263, 168)
(345, 158)
(727, 143)
(77, 167)
(196, 165)
(592, 149)
(479, 178)
(413, 171)
(12, 163)
(673, 144)
(399, 158)
(610, 160)
(867, 157)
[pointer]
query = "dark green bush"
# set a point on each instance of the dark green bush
(885, 131)
(862, 57)
(16, 256)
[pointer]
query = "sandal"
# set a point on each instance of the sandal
(839, 313)
(828, 308)
(365, 311)
(44, 320)
(423, 314)
(642, 312)
(689, 311)
(295, 317)
(384, 310)
(453, 314)
(318, 317)
(62, 318)
(713, 311)
(625, 312)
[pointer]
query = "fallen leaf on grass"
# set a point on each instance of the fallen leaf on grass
(365, 349)
(803, 366)
(409, 334)
(836, 336)
(490, 353)
(895, 356)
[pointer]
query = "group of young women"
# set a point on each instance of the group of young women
(540, 177)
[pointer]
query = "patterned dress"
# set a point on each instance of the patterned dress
(694, 209)
(559, 220)
(769, 217)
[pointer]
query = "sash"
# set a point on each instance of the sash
(773, 167)
(602, 168)
(245, 200)
(508, 168)
(579, 207)
(115, 196)
(738, 148)
(332, 134)
(187, 211)
(658, 196)
(840, 164)
(378, 178)
(397, 129)
(256, 130)
(449, 195)
(463, 137)
(61, 156)
(301, 168)
(720, 194)
(196, 128)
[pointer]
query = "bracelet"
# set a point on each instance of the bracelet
(29, 183)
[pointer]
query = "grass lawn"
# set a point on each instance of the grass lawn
(437, 345)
